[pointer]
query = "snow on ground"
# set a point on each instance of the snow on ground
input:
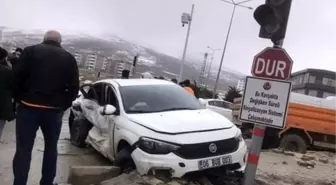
(147, 61)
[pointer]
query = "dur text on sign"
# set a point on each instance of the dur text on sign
(272, 63)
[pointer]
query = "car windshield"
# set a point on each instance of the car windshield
(157, 98)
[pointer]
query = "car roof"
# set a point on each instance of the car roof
(136, 82)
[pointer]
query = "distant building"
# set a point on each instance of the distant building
(121, 65)
(241, 85)
(79, 57)
(100, 62)
(91, 61)
(119, 61)
(106, 63)
(314, 82)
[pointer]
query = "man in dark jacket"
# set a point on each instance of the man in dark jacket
(12, 60)
(125, 74)
(46, 82)
(6, 109)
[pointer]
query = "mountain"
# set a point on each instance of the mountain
(150, 60)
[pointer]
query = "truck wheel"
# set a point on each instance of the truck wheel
(79, 131)
(293, 142)
(124, 160)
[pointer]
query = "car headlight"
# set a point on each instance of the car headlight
(239, 136)
(153, 146)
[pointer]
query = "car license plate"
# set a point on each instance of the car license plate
(214, 162)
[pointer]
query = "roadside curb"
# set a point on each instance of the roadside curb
(87, 175)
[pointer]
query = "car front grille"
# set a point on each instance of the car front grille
(201, 150)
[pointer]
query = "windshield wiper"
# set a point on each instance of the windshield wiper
(173, 109)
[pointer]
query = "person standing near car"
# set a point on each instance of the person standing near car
(174, 81)
(6, 109)
(45, 82)
(125, 74)
(188, 88)
(12, 59)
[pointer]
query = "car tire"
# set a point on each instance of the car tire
(79, 131)
(124, 160)
(293, 142)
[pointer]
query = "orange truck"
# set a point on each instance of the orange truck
(311, 123)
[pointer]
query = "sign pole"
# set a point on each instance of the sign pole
(256, 146)
(254, 152)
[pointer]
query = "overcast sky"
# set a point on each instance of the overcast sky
(311, 33)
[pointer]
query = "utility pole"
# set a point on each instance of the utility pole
(211, 60)
(186, 19)
(203, 70)
(227, 38)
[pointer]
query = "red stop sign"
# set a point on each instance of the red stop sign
(273, 63)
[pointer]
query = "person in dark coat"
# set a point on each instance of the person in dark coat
(6, 109)
(11, 61)
(45, 82)
(174, 80)
(125, 74)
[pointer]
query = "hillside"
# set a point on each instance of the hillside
(160, 64)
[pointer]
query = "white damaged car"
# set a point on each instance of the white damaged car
(156, 125)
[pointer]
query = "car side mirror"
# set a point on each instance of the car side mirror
(202, 101)
(107, 110)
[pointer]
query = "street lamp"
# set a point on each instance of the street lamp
(186, 19)
(232, 2)
(212, 57)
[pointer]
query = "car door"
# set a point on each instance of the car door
(225, 108)
(110, 98)
(109, 129)
(91, 104)
(212, 105)
(219, 107)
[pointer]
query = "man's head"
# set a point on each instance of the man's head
(174, 80)
(3, 53)
(187, 83)
(53, 35)
(18, 52)
(125, 73)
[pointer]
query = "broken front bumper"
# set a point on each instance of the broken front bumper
(179, 166)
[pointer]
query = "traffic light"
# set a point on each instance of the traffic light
(272, 18)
